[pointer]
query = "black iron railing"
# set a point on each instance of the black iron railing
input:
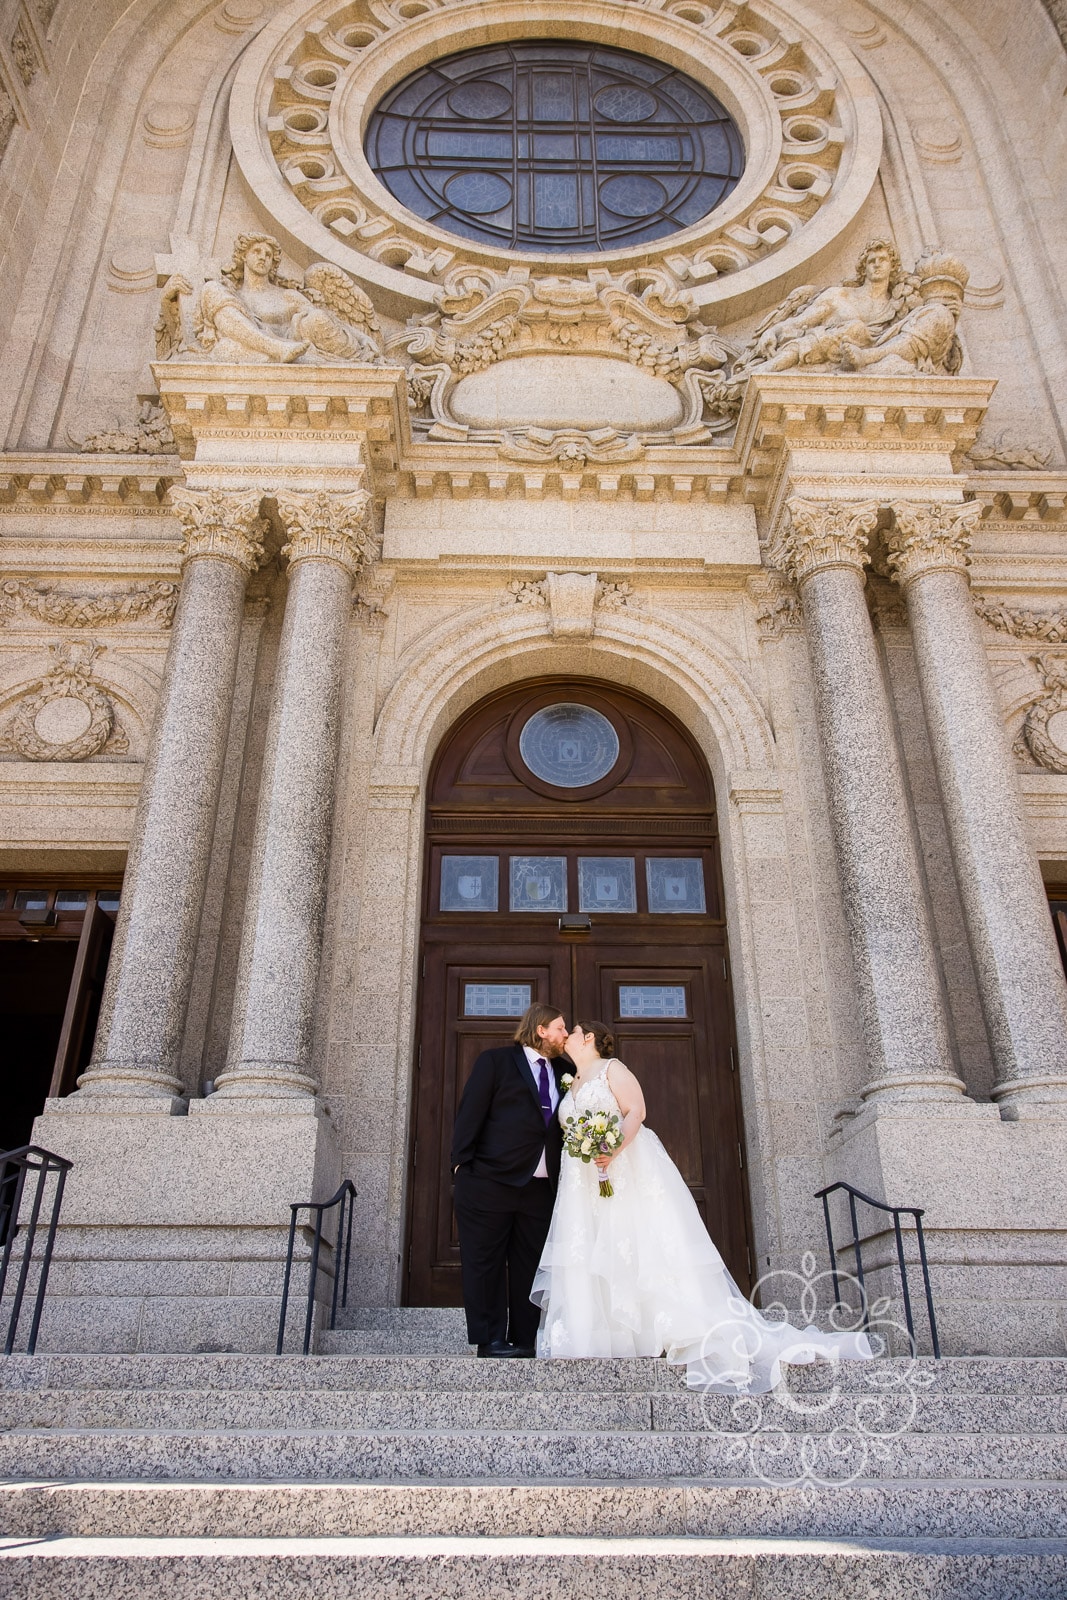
(22, 1217)
(896, 1212)
(344, 1198)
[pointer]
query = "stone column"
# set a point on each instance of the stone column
(271, 1037)
(143, 1011)
(1020, 976)
(901, 1002)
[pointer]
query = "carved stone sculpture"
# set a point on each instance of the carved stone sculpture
(811, 326)
(884, 319)
(1045, 728)
(150, 435)
(153, 603)
(64, 716)
(250, 313)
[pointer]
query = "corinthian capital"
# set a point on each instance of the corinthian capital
(227, 526)
(327, 527)
(929, 538)
(825, 533)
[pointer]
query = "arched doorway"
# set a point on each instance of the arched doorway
(572, 856)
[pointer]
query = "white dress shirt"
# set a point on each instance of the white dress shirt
(534, 1057)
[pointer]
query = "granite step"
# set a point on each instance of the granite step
(434, 1568)
(531, 1410)
(909, 1508)
(531, 1456)
(962, 1375)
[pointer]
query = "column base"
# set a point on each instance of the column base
(174, 1230)
(1022, 1099)
(936, 1086)
(995, 1200)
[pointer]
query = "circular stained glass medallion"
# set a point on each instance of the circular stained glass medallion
(569, 745)
(555, 145)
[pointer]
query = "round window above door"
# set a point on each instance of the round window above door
(555, 145)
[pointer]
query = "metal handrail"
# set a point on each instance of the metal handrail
(896, 1212)
(345, 1196)
(14, 1167)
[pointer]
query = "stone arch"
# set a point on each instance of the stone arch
(467, 657)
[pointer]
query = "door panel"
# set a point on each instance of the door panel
(653, 967)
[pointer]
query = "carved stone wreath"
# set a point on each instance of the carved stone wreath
(28, 734)
(1046, 750)
(807, 112)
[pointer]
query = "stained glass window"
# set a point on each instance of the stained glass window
(569, 745)
(555, 146)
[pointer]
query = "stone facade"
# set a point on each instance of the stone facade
(797, 473)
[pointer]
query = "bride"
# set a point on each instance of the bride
(636, 1274)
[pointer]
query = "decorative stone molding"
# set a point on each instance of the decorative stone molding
(1021, 623)
(571, 447)
(325, 527)
(929, 538)
(529, 592)
(8, 118)
(806, 110)
(1006, 449)
(152, 603)
(886, 604)
(65, 717)
(236, 314)
(778, 607)
(150, 435)
(24, 53)
(226, 526)
(571, 599)
(638, 318)
(822, 534)
(1044, 732)
(616, 596)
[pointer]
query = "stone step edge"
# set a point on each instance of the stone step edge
(532, 1435)
(587, 1488)
(418, 1547)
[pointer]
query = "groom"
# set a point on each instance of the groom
(506, 1152)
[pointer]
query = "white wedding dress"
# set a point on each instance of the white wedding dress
(636, 1274)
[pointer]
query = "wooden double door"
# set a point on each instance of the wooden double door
(633, 935)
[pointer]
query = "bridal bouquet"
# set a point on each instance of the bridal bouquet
(591, 1134)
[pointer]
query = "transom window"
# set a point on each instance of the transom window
(555, 146)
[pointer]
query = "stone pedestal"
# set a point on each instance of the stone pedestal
(995, 1197)
(174, 1229)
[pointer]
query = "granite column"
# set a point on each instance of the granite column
(142, 1016)
(271, 1038)
(1020, 977)
(901, 1003)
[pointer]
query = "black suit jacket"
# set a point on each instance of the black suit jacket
(500, 1129)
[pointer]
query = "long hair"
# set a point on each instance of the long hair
(534, 1017)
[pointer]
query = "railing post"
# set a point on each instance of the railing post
(346, 1195)
(926, 1285)
(902, 1264)
(288, 1273)
(895, 1212)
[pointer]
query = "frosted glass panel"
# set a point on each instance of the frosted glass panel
(496, 999)
(469, 883)
(538, 883)
(652, 1000)
(675, 884)
(607, 883)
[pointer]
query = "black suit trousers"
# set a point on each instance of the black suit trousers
(502, 1232)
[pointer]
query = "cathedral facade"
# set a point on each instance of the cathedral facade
(559, 501)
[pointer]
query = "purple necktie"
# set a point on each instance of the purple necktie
(542, 1090)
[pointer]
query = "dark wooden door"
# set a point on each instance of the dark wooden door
(652, 962)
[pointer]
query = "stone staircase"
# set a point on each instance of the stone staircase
(394, 1465)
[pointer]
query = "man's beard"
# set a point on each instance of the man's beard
(550, 1050)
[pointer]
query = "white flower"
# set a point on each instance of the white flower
(587, 1145)
(567, 1079)
(612, 1139)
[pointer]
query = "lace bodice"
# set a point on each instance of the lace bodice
(593, 1095)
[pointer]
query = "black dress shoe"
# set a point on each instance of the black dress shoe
(498, 1347)
(525, 1351)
